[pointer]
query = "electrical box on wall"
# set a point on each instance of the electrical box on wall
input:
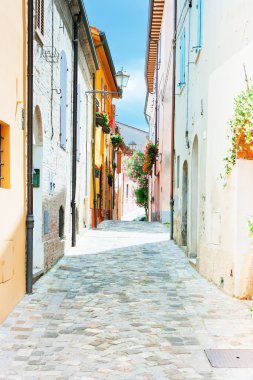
(36, 177)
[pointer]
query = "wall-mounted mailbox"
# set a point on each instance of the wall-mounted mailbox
(36, 177)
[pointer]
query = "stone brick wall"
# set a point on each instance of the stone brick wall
(57, 162)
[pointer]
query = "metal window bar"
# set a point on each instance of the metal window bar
(1, 156)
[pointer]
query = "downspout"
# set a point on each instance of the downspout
(29, 216)
(156, 205)
(93, 152)
(173, 124)
(74, 148)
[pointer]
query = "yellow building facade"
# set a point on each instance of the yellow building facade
(104, 157)
(12, 154)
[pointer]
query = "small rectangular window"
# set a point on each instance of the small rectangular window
(4, 155)
(182, 60)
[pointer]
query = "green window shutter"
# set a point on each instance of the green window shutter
(63, 100)
(182, 60)
(200, 23)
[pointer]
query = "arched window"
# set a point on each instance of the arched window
(63, 103)
(61, 222)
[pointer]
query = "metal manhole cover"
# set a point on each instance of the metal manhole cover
(230, 358)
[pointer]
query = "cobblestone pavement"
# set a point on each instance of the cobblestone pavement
(137, 312)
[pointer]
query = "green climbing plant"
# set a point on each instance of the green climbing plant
(240, 132)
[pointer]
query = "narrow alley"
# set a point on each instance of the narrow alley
(124, 304)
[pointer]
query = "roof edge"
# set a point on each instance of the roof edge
(88, 32)
(109, 59)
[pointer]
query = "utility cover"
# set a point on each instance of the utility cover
(230, 358)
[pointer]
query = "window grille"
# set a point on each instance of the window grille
(1, 156)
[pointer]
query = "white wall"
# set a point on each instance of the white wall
(213, 80)
(57, 162)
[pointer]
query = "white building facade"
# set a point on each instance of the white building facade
(214, 62)
(53, 126)
(158, 106)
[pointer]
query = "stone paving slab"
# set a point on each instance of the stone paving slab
(137, 312)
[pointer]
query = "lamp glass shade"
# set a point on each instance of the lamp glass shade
(122, 79)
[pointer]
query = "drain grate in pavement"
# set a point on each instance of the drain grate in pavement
(230, 358)
(69, 269)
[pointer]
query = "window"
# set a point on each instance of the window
(78, 151)
(61, 222)
(40, 16)
(63, 101)
(127, 191)
(200, 21)
(4, 155)
(182, 60)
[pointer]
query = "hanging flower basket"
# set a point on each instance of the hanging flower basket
(100, 121)
(116, 140)
(102, 118)
(110, 179)
(106, 129)
(149, 158)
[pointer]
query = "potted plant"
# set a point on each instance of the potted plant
(240, 130)
(116, 140)
(110, 178)
(101, 118)
(97, 171)
(151, 151)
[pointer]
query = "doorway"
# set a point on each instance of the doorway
(184, 226)
(194, 198)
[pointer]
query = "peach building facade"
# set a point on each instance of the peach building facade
(12, 154)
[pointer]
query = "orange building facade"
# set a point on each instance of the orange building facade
(103, 158)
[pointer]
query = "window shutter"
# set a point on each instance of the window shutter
(42, 17)
(182, 59)
(199, 35)
(63, 101)
(78, 152)
(38, 8)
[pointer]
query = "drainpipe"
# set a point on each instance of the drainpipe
(29, 216)
(173, 124)
(93, 152)
(75, 80)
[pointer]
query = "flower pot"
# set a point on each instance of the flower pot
(244, 149)
(100, 121)
(106, 129)
(110, 181)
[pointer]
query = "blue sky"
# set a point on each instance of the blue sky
(125, 25)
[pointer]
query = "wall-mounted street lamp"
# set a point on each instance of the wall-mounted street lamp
(122, 79)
